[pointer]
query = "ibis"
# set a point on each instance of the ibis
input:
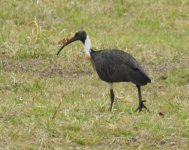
(113, 65)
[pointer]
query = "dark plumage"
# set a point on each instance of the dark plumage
(118, 66)
(114, 66)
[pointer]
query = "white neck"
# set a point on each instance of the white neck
(87, 45)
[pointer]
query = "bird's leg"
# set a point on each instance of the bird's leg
(111, 96)
(141, 102)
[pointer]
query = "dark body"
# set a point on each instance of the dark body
(118, 66)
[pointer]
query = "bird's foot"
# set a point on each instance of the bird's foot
(141, 106)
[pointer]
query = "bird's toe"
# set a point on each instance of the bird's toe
(141, 106)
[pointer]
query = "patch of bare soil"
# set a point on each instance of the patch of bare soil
(144, 138)
(136, 141)
(40, 67)
(173, 142)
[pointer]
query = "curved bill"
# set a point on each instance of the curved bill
(67, 43)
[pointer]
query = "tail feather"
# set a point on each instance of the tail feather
(139, 78)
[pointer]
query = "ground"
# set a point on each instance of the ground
(50, 102)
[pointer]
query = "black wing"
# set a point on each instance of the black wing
(119, 66)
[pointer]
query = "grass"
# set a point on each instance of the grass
(50, 102)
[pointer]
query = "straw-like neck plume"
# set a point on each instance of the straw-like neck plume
(87, 46)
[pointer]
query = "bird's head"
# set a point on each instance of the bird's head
(79, 36)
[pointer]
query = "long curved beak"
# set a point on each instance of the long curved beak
(67, 43)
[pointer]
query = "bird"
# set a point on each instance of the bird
(113, 66)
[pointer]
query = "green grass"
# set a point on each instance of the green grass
(50, 102)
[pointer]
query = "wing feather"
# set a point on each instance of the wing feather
(119, 66)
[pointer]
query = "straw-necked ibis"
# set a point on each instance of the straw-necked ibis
(112, 66)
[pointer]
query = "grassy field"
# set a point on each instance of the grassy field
(50, 102)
